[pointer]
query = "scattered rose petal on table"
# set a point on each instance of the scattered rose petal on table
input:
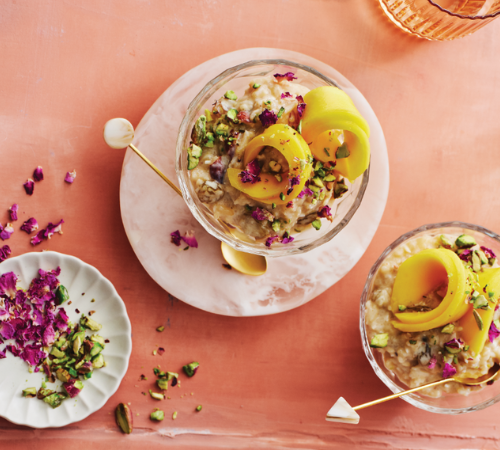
(70, 177)
(38, 174)
(30, 225)
(29, 186)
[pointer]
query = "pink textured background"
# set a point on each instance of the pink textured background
(68, 66)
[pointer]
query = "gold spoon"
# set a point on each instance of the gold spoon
(119, 133)
(343, 412)
(492, 374)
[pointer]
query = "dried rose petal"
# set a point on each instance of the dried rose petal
(38, 174)
(432, 362)
(466, 255)
(253, 167)
(488, 252)
(2, 354)
(295, 181)
(39, 237)
(288, 76)
(161, 350)
(51, 229)
(175, 238)
(8, 284)
(71, 389)
(493, 332)
(262, 214)
(7, 331)
(454, 343)
(30, 225)
(4, 252)
(13, 211)
(6, 232)
(268, 118)
(289, 205)
(287, 238)
(189, 239)
(301, 106)
(70, 177)
(218, 170)
(270, 240)
(448, 371)
(286, 95)
(326, 211)
(29, 186)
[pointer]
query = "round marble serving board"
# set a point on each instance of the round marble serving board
(151, 211)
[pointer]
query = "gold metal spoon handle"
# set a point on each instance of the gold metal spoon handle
(400, 394)
(158, 171)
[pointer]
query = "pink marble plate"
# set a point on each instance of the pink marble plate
(151, 211)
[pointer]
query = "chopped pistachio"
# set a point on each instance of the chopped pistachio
(160, 328)
(196, 151)
(402, 307)
(208, 115)
(280, 179)
(327, 151)
(455, 359)
(299, 128)
(198, 408)
(275, 166)
(230, 95)
(480, 302)
(448, 329)
(465, 241)
(466, 348)
(198, 135)
(492, 261)
(482, 256)
(29, 392)
(321, 173)
(123, 416)
(339, 190)
(256, 86)
(62, 295)
(232, 113)
(445, 242)
(162, 384)
(380, 340)
(273, 205)
(280, 112)
(55, 400)
(282, 196)
(89, 323)
(317, 181)
(412, 342)
(479, 320)
(190, 369)
(316, 224)
(157, 415)
(342, 151)
(174, 415)
(476, 262)
(222, 130)
(276, 225)
(156, 395)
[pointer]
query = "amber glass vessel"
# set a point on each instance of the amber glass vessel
(441, 20)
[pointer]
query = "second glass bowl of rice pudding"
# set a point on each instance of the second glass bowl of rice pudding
(273, 158)
(429, 310)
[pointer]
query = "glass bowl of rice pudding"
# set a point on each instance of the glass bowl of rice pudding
(410, 359)
(241, 95)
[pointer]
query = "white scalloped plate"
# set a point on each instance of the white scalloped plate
(78, 277)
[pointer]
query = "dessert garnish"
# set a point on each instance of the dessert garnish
(30, 225)
(70, 176)
(124, 418)
(6, 232)
(44, 337)
(29, 186)
(5, 251)
(38, 174)
(191, 369)
(198, 408)
(157, 415)
(13, 211)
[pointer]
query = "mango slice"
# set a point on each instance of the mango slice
(297, 154)
(471, 334)
(422, 273)
(330, 109)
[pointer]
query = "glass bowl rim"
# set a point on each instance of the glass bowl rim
(364, 338)
(199, 215)
(461, 16)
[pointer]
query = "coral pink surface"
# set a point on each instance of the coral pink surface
(265, 382)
